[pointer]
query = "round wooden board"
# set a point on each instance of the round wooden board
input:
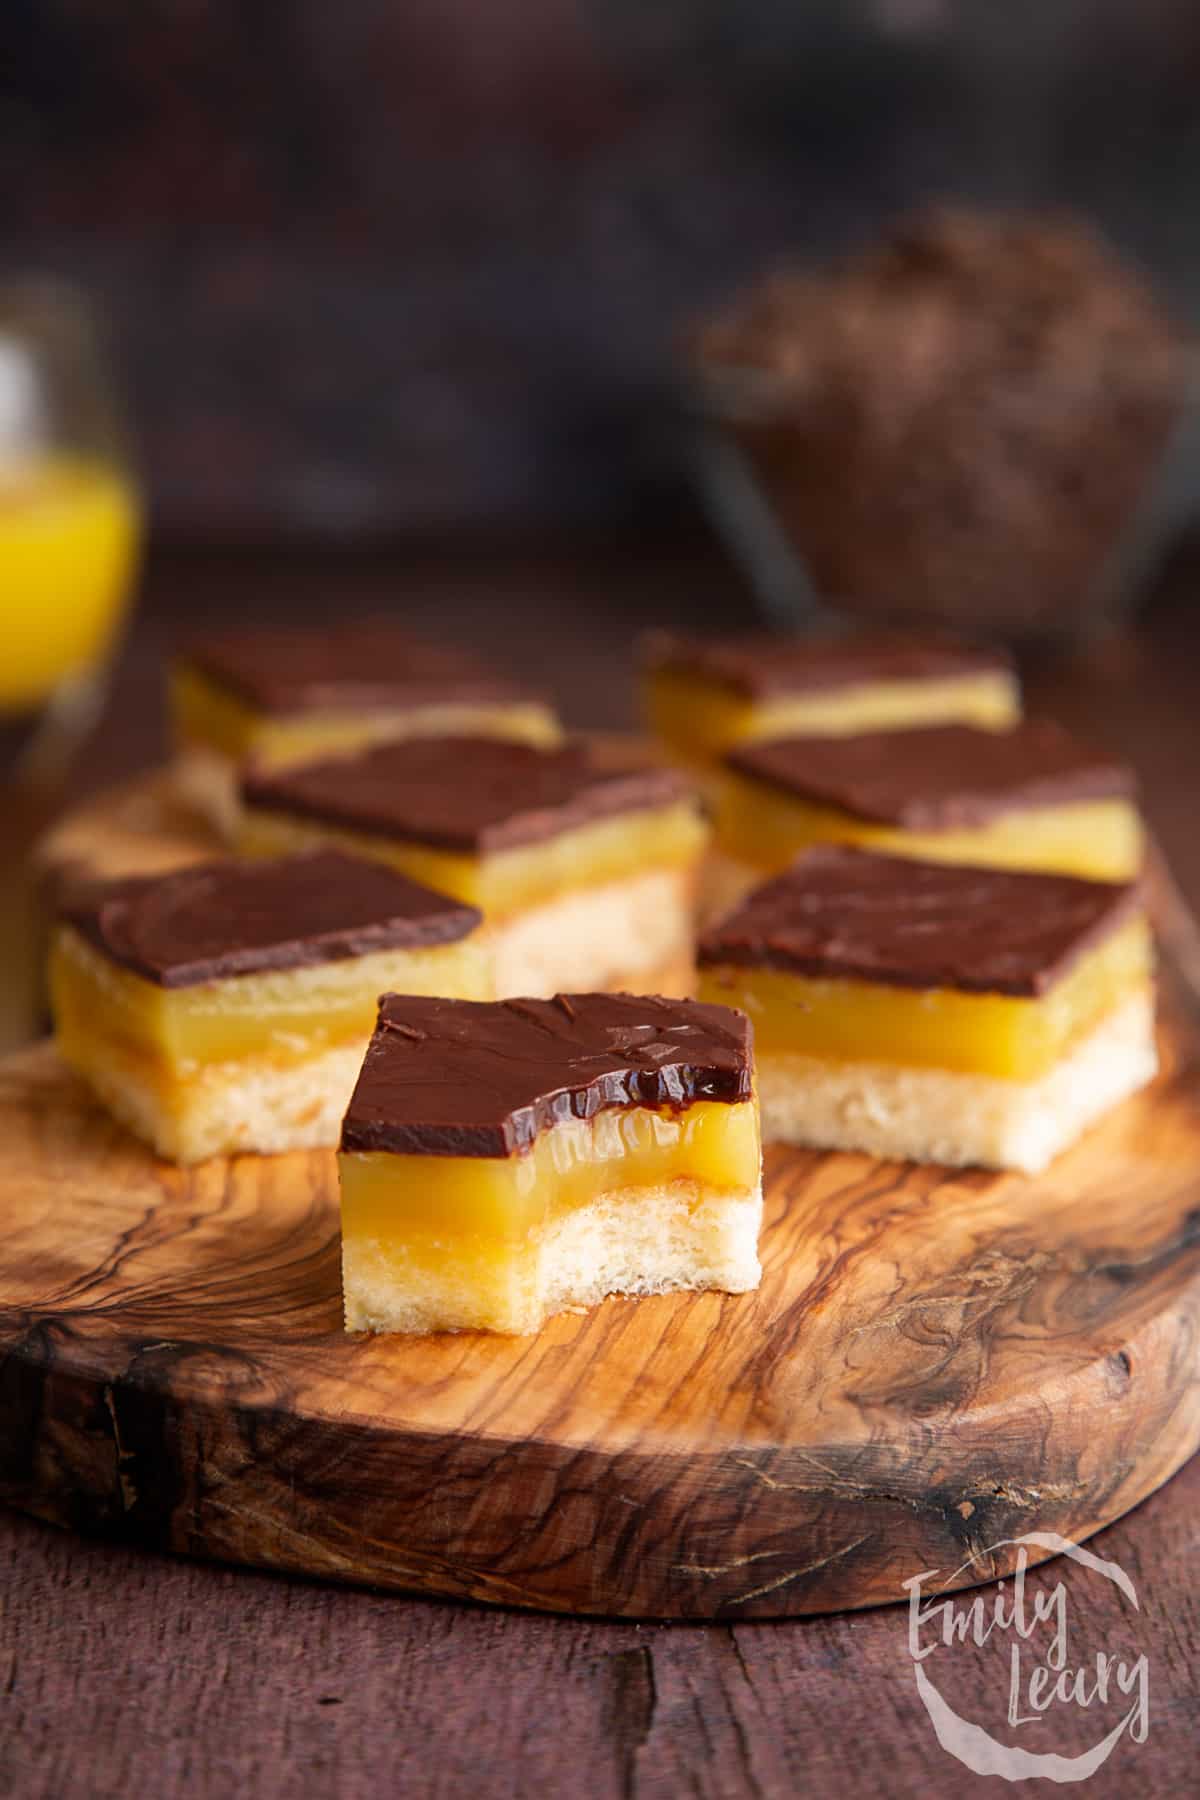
(935, 1362)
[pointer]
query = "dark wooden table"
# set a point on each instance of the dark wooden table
(124, 1673)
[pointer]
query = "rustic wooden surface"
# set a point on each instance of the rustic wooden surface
(123, 1671)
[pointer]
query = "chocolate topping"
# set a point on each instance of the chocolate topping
(473, 795)
(221, 919)
(369, 663)
(761, 666)
(943, 778)
(853, 915)
(465, 1078)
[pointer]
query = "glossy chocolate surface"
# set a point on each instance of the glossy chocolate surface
(471, 795)
(760, 666)
(941, 778)
(369, 663)
(851, 915)
(465, 1078)
(222, 919)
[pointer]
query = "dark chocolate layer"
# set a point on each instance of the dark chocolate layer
(472, 795)
(852, 915)
(463, 1078)
(944, 778)
(222, 919)
(761, 666)
(368, 663)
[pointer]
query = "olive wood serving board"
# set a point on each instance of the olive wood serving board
(935, 1362)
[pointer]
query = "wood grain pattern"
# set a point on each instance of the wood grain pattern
(935, 1361)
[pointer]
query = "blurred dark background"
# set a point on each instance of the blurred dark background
(376, 269)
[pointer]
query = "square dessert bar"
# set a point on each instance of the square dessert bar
(290, 694)
(227, 1007)
(947, 1014)
(501, 1163)
(1029, 798)
(586, 876)
(702, 696)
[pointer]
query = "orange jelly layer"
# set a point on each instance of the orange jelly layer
(1000, 1035)
(279, 1016)
(476, 1205)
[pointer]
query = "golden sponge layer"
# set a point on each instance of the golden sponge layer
(949, 1116)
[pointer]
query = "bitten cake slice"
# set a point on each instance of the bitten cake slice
(951, 1015)
(290, 694)
(586, 875)
(501, 1163)
(702, 696)
(227, 1007)
(1029, 798)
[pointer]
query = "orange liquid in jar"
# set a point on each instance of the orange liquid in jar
(69, 531)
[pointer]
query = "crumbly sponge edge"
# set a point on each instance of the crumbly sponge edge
(650, 1240)
(940, 1116)
(632, 932)
(230, 1109)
